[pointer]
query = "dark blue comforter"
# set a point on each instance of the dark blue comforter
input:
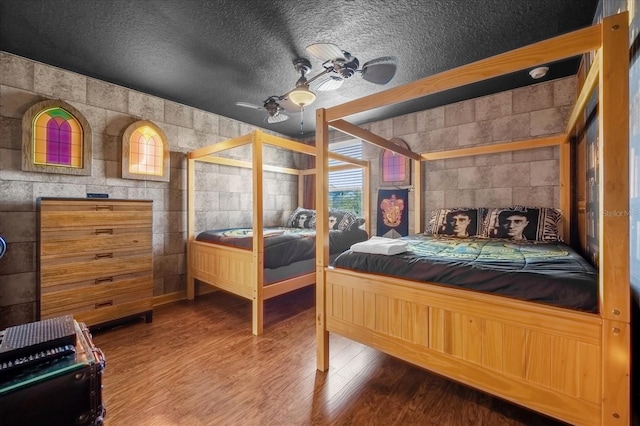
(546, 272)
(285, 247)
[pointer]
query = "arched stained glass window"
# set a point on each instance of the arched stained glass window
(393, 166)
(145, 152)
(395, 169)
(57, 138)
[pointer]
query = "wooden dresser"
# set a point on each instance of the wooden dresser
(95, 259)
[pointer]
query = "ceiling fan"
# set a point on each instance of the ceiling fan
(273, 108)
(339, 65)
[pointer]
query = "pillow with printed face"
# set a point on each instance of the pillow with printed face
(357, 224)
(522, 223)
(302, 218)
(457, 222)
(342, 220)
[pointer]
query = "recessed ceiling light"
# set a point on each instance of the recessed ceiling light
(539, 72)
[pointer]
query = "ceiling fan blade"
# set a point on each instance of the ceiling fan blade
(248, 105)
(380, 70)
(325, 51)
(279, 118)
(330, 82)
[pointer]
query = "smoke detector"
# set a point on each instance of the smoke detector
(539, 72)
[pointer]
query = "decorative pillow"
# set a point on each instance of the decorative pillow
(342, 220)
(357, 224)
(523, 223)
(302, 218)
(456, 222)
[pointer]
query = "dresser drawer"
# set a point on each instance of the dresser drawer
(95, 258)
(96, 297)
(94, 240)
(110, 313)
(64, 270)
(101, 214)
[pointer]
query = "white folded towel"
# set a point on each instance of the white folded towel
(267, 232)
(380, 245)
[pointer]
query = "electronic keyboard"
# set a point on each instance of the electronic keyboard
(28, 344)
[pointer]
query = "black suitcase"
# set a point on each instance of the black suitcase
(67, 392)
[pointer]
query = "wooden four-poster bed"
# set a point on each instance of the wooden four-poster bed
(241, 270)
(568, 364)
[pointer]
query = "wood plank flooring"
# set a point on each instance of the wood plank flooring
(199, 364)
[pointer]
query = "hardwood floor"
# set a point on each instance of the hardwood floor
(199, 364)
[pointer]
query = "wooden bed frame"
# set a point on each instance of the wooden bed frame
(570, 365)
(239, 271)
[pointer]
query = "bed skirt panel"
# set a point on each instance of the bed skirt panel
(545, 358)
(226, 268)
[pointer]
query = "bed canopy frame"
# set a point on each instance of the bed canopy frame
(571, 365)
(240, 271)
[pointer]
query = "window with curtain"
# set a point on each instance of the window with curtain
(345, 186)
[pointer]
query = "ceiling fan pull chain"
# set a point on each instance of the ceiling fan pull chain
(301, 118)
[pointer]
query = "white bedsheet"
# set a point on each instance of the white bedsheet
(380, 245)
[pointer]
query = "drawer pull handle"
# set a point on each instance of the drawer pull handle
(104, 255)
(104, 304)
(104, 280)
(104, 207)
(103, 231)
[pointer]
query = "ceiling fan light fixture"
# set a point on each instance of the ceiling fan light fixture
(302, 96)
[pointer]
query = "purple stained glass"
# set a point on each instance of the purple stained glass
(58, 142)
(393, 168)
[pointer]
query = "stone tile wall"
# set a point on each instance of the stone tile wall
(224, 193)
(529, 177)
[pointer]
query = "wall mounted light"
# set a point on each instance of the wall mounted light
(539, 72)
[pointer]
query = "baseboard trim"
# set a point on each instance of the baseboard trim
(163, 299)
(177, 296)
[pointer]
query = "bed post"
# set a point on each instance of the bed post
(417, 196)
(613, 151)
(301, 179)
(366, 198)
(257, 303)
(191, 219)
(565, 188)
(322, 237)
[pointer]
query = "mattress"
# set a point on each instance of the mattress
(544, 272)
(295, 269)
(284, 246)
